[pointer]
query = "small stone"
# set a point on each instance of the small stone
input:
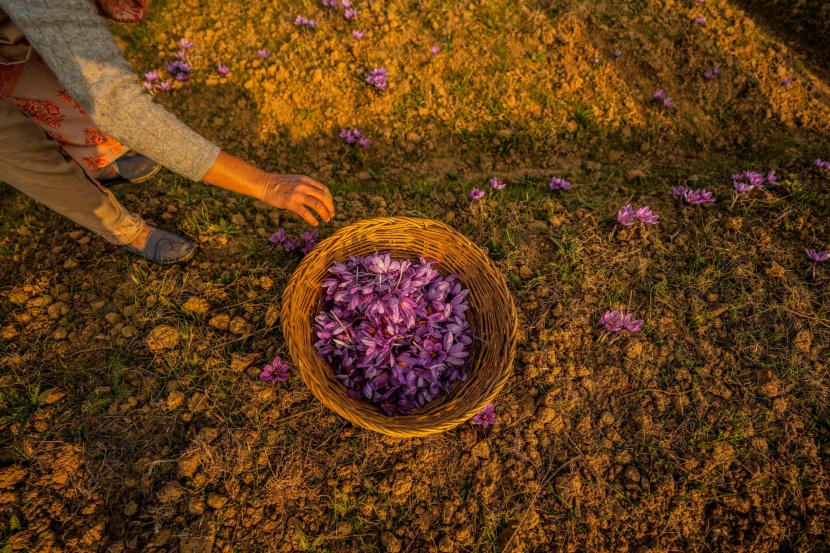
(237, 325)
(163, 337)
(767, 383)
(195, 306)
(343, 528)
(390, 542)
(216, 500)
(188, 464)
(131, 508)
(632, 473)
(84, 241)
(446, 545)
(112, 318)
(195, 506)
(175, 400)
(97, 304)
(198, 402)
(272, 314)
(60, 334)
(57, 310)
(129, 331)
(481, 450)
(220, 322)
(70, 263)
(170, 493)
(238, 219)
(525, 272)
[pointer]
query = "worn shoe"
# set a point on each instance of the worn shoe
(165, 247)
(133, 169)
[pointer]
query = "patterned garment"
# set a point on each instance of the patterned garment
(35, 90)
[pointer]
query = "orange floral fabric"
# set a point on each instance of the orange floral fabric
(34, 90)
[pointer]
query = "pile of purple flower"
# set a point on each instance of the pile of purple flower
(378, 78)
(290, 244)
(627, 216)
(355, 136)
(693, 197)
(394, 331)
(750, 180)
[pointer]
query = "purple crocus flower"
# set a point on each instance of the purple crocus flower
(290, 244)
(496, 184)
(181, 54)
(742, 187)
(693, 197)
(223, 70)
(364, 143)
(645, 215)
(357, 34)
(186, 44)
(152, 76)
(182, 77)
(476, 194)
(616, 320)
(486, 417)
(264, 54)
(820, 164)
(435, 50)
(378, 78)
(164, 86)
(627, 216)
(148, 85)
(353, 136)
(712, 73)
(631, 324)
(330, 3)
(278, 237)
(277, 371)
(559, 184)
(301, 21)
(185, 67)
(660, 94)
(669, 103)
(346, 3)
(700, 20)
(350, 13)
(596, 60)
(173, 67)
(772, 179)
(818, 257)
(786, 82)
(617, 53)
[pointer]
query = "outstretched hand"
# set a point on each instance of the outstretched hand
(299, 193)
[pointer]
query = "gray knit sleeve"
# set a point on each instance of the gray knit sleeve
(72, 39)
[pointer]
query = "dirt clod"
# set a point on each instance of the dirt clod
(163, 337)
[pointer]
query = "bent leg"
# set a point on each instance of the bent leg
(34, 164)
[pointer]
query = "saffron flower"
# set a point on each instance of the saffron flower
(223, 70)
(278, 237)
(486, 417)
(277, 371)
(596, 60)
(496, 184)
(182, 77)
(818, 257)
(627, 216)
(394, 331)
(820, 164)
(355, 136)
(346, 3)
(476, 194)
(164, 86)
(435, 50)
(301, 21)
(378, 78)
(264, 54)
(181, 54)
(660, 95)
(750, 180)
(152, 76)
(713, 73)
(148, 85)
(350, 13)
(357, 34)
(786, 82)
(615, 321)
(617, 53)
(364, 143)
(693, 197)
(330, 3)
(700, 20)
(310, 239)
(289, 245)
(559, 184)
(186, 44)
(645, 215)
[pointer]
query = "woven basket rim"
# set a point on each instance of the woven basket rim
(319, 376)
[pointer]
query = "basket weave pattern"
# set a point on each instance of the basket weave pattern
(492, 316)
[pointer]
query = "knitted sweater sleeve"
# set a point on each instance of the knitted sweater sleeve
(72, 39)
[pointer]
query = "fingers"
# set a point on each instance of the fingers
(305, 214)
(321, 193)
(317, 204)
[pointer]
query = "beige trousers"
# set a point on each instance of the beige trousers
(33, 163)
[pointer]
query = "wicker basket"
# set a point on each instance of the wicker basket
(492, 317)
